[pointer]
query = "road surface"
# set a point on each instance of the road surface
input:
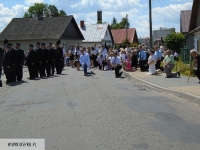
(101, 112)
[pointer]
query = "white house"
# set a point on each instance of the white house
(96, 33)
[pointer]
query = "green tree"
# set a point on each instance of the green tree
(47, 10)
(121, 25)
(124, 23)
(62, 13)
(51, 11)
(175, 41)
(126, 41)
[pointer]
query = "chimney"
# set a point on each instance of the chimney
(40, 15)
(99, 16)
(82, 23)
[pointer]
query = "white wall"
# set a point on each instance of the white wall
(70, 43)
(197, 41)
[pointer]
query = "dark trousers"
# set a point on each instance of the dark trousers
(7, 72)
(0, 70)
(39, 68)
(46, 69)
(158, 64)
(142, 65)
(102, 65)
(52, 67)
(31, 69)
(95, 61)
(13, 72)
(117, 69)
(59, 66)
(19, 72)
(197, 72)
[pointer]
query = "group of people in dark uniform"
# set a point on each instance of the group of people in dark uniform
(13, 60)
(41, 61)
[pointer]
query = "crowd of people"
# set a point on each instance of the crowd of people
(45, 59)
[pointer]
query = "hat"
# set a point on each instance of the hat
(17, 44)
(5, 41)
(9, 44)
(43, 44)
(38, 43)
(50, 43)
(30, 45)
(58, 42)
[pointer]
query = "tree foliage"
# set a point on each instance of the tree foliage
(126, 41)
(175, 41)
(47, 10)
(124, 23)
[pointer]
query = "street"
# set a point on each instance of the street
(100, 112)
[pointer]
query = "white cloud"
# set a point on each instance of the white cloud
(31, 2)
(82, 3)
(54, 1)
(171, 12)
(7, 14)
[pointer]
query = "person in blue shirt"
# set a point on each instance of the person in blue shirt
(85, 62)
(158, 55)
(142, 58)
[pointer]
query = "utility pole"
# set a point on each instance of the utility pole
(126, 26)
(150, 24)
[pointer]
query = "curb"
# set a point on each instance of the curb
(184, 95)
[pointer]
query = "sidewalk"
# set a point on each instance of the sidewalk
(177, 86)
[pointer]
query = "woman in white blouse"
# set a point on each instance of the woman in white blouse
(151, 63)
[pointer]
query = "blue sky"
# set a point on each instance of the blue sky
(166, 13)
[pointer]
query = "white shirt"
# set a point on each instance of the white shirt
(175, 54)
(127, 50)
(64, 52)
(71, 51)
(100, 58)
(78, 52)
(103, 52)
(94, 52)
(116, 61)
(123, 57)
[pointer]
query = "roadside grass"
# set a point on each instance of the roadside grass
(183, 68)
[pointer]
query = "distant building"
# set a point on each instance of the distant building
(144, 40)
(120, 36)
(162, 33)
(184, 28)
(96, 33)
(194, 26)
(44, 30)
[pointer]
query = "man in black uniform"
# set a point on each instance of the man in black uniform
(7, 62)
(19, 59)
(52, 57)
(13, 62)
(1, 60)
(45, 60)
(59, 56)
(39, 61)
(30, 59)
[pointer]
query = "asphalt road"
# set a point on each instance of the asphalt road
(74, 112)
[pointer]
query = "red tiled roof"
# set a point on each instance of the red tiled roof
(119, 35)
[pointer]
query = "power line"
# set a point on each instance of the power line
(171, 8)
(173, 1)
(168, 10)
